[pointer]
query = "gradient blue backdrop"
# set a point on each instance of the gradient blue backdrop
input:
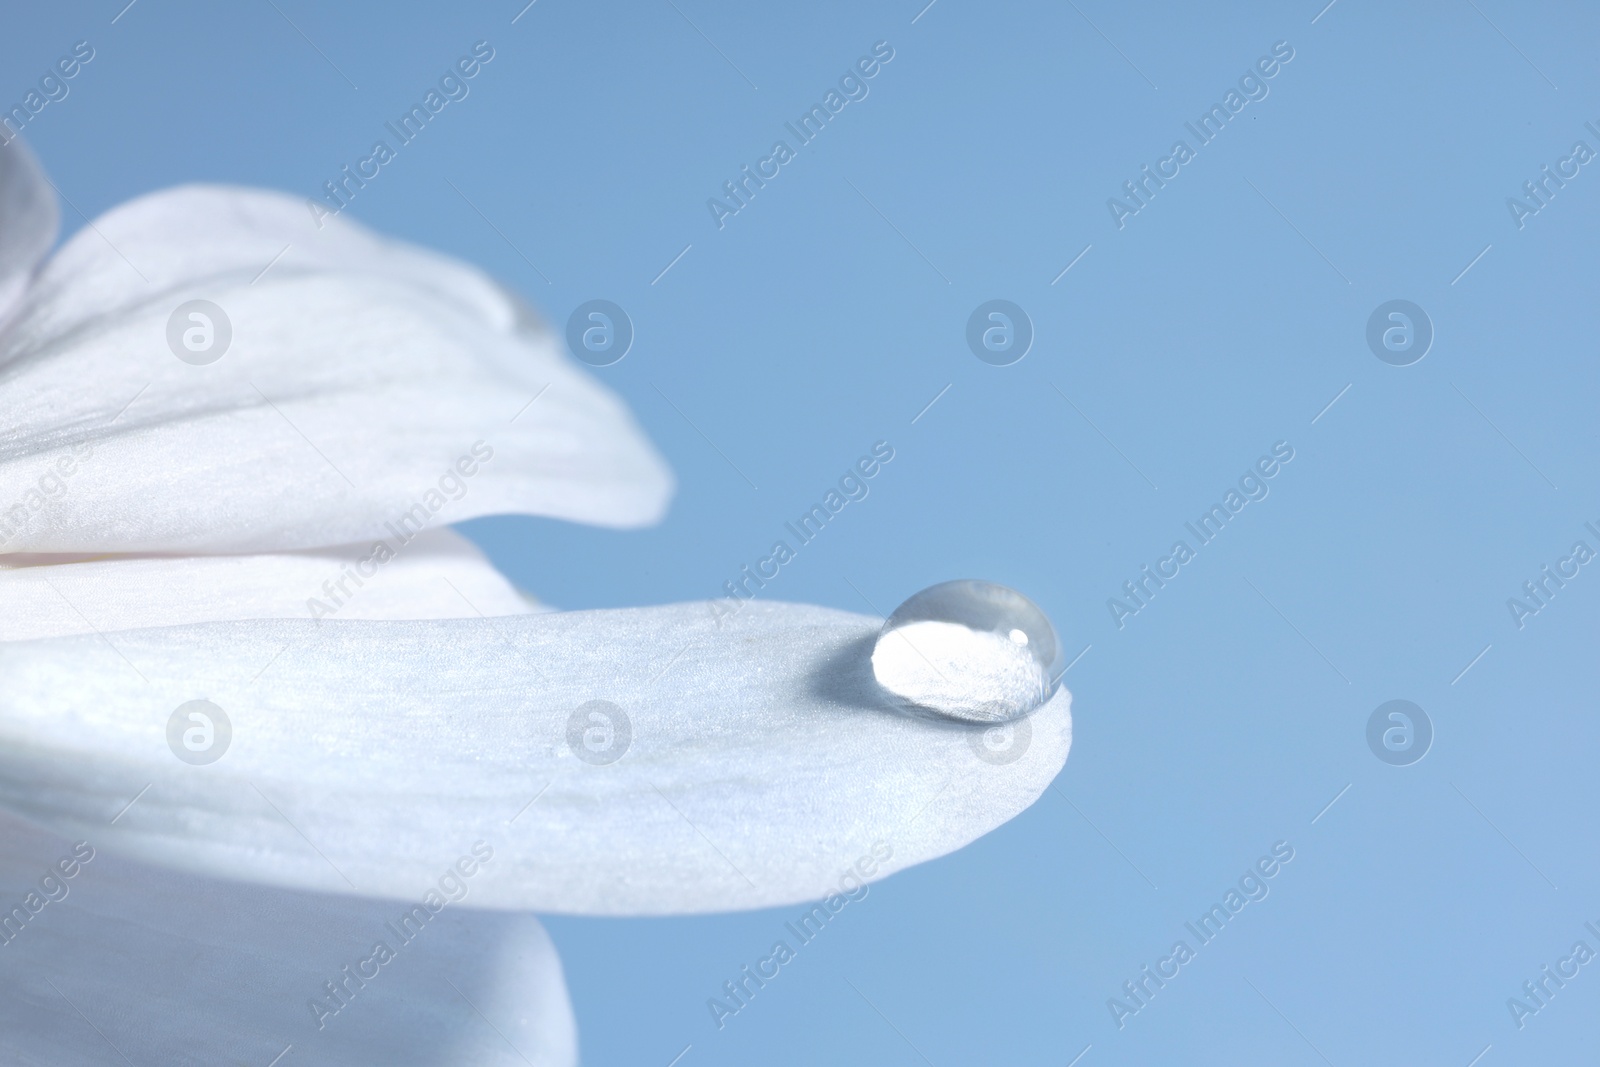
(1223, 318)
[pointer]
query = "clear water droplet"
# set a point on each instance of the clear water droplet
(968, 650)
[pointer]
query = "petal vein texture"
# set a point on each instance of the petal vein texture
(635, 761)
(363, 381)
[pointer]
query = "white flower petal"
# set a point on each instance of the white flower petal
(28, 220)
(757, 765)
(360, 376)
(438, 574)
(126, 963)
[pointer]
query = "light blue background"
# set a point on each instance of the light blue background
(1210, 726)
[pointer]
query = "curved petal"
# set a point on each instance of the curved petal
(118, 962)
(438, 574)
(731, 763)
(28, 219)
(356, 380)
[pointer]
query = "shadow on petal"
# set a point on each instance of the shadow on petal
(117, 961)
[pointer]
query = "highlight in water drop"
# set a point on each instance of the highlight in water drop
(969, 650)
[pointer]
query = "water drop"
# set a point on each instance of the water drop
(968, 650)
